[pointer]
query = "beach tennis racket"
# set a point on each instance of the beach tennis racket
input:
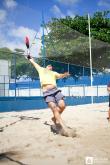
(28, 47)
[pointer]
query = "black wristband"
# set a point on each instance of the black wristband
(28, 57)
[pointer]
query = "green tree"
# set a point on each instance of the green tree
(22, 65)
(68, 40)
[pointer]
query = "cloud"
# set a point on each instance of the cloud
(70, 13)
(57, 12)
(68, 2)
(10, 4)
(13, 36)
(3, 15)
(21, 32)
(104, 3)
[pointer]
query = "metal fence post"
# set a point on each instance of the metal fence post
(15, 72)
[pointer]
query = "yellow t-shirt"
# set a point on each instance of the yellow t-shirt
(47, 76)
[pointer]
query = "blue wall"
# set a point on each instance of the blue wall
(8, 104)
(85, 80)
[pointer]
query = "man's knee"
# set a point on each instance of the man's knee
(62, 105)
(52, 106)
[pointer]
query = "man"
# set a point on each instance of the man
(108, 89)
(52, 96)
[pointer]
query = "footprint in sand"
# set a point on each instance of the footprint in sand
(68, 132)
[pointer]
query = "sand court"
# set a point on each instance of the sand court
(26, 139)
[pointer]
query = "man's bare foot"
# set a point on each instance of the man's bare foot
(65, 131)
(53, 119)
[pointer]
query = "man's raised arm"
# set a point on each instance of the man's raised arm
(37, 66)
(62, 75)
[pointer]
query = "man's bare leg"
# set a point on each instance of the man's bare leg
(61, 107)
(60, 126)
(56, 113)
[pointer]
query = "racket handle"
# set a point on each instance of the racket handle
(29, 57)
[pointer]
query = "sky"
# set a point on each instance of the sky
(20, 18)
